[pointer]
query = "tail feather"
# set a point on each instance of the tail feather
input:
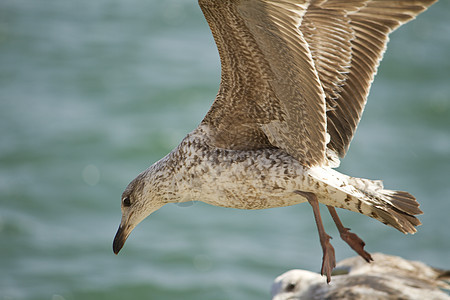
(394, 208)
(405, 202)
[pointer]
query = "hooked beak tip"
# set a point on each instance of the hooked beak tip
(119, 239)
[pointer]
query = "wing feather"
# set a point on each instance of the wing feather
(366, 26)
(270, 94)
(293, 70)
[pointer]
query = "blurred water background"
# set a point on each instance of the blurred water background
(92, 92)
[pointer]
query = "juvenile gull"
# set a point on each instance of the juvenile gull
(388, 277)
(294, 83)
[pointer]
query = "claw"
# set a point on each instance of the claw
(328, 259)
(353, 240)
(356, 243)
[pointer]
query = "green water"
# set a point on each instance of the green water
(92, 92)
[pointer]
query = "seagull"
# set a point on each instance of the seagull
(388, 277)
(295, 76)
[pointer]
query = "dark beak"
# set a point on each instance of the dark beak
(121, 236)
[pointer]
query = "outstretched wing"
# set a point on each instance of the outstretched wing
(347, 40)
(270, 94)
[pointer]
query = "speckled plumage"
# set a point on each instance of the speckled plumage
(295, 79)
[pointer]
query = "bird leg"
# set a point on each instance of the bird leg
(328, 259)
(350, 238)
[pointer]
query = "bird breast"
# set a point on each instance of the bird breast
(245, 179)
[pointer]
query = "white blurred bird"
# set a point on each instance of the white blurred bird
(386, 278)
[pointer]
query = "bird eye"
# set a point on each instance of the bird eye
(290, 287)
(126, 202)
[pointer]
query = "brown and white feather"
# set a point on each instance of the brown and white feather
(371, 24)
(294, 70)
(270, 94)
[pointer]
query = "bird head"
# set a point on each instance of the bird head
(139, 200)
